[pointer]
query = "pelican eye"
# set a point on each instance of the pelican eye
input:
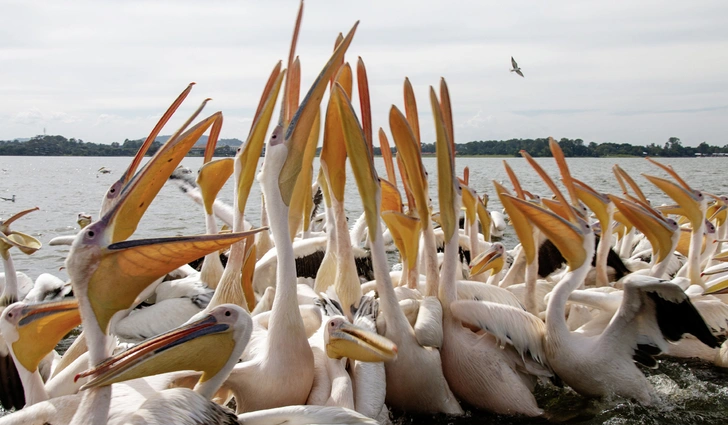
(90, 234)
(227, 313)
(112, 190)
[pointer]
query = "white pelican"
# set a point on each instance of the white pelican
(31, 331)
(477, 370)
(416, 366)
(279, 371)
(109, 273)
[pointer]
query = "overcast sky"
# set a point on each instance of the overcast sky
(620, 71)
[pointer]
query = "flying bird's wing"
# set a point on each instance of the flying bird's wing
(513, 62)
(518, 71)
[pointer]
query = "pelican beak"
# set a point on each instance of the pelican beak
(568, 238)
(213, 176)
(8, 238)
(297, 134)
(658, 231)
(26, 243)
(83, 220)
(405, 231)
(182, 348)
(491, 259)
(520, 221)
(391, 198)
(723, 256)
(353, 342)
(333, 152)
(122, 219)
(360, 159)
(690, 203)
(246, 160)
(469, 201)
(484, 218)
(448, 187)
(127, 267)
(40, 328)
(596, 201)
(717, 288)
(409, 153)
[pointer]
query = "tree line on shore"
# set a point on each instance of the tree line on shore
(60, 146)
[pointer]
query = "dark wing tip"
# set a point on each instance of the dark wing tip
(678, 318)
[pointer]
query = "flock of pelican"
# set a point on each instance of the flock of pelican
(269, 338)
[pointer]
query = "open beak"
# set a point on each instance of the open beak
(689, 202)
(212, 177)
(297, 132)
(409, 153)
(484, 218)
(491, 259)
(658, 231)
(353, 342)
(391, 198)
(122, 218)
(523, 227)
(40, 328)
(204, 345)
(469, 201)
(405, 231)
(360, 159)
(568, 238)
(448, 187)
(9, 238)
(596, 201)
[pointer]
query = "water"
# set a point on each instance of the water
(64, 186)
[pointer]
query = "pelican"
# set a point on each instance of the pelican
(416, 366)
(598, 365)
(31, 331)
(279, 371)
(515, 69)
(101, 261)
(15, 287)
(477, 370)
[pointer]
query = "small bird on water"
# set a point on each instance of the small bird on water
(516, 69)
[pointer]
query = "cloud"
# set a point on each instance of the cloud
(673, 111)
(36, 116)
(477, 120)
(542, 112)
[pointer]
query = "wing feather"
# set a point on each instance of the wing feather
(508, 324)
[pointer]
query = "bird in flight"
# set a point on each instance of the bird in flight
(516, 69)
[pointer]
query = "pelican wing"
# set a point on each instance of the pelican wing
(513, 63)
(715, 314)
(304, 415)
(652, 311)
(508, 324)
(605, 301)
(518, 71)
(479, 291)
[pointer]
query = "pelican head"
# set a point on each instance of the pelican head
(84, 219)
(212, 344)
(492, 259)
(33, 330)
(343, 339)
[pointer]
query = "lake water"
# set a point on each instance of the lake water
(64, 186)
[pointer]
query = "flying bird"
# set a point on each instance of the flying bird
(516, 69)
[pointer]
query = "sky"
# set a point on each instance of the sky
(619, 71)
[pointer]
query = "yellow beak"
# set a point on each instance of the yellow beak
(657, 229)
(246, 160)
(405, 231)
(297, 134)
(689, 202)
(212, 177)
(204, 345)
(40, 327)
(491, 259)
(448, 188)
(520, 221)
(568, 238)
(8, 238)
(353, 342)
